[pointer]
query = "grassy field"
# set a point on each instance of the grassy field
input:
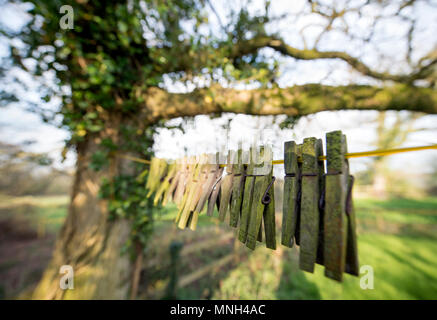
(398, 238)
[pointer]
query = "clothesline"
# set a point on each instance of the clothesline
(373, 153)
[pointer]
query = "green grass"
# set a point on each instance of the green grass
(404, 268)
(399, 210)
(413, 205)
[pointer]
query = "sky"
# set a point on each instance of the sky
(206, 135)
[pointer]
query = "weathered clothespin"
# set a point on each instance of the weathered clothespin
(226, 187)
(201, 180)
(193, 171)
(247, 198)
(191, 193)
(163, 187)
(263, 178)
(352, 265)
(312, 175)
(339, 222)
(169, 193)
(321, 205)
(237, 187)
(182, 181)
(291, 202)
(214, 199)
(269, 215)
(212, 169)
(153, 169)
(158, 169)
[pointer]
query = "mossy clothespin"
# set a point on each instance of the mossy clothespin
(339, 221)
(163, 187)
(352, 265)
(321, 205)
(247, 198)
(262, 172)
(214, 198)
(269, 216)
(270, 220)
(237, 186)
(212, 169)
(312, 175)
(291, 202)
(226, 187)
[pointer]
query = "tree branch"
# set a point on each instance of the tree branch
(189, 60)
(297, 100)
(252, 45)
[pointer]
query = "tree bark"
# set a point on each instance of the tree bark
(89, 241)
(293, 101)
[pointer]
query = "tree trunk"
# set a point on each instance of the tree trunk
(88, 241)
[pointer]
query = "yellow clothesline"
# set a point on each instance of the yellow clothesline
(135, 159)
(374, 153)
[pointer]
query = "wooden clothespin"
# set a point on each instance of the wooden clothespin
(352, 265)
(312, 176)
(214, 199)
(237, 186)
(291, 204)
(226, 187)
(269, 215)
(321, 205)
(247, 198)
(153, 169)
(192, 195)
(193, 172)
(169, 193)
(339, 221)
(211, 170)
(201, 180)
(198, 190)
(158, 169)
(163, 187)
(182, 181)
(263, 179)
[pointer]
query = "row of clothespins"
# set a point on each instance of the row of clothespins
(318, 213)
